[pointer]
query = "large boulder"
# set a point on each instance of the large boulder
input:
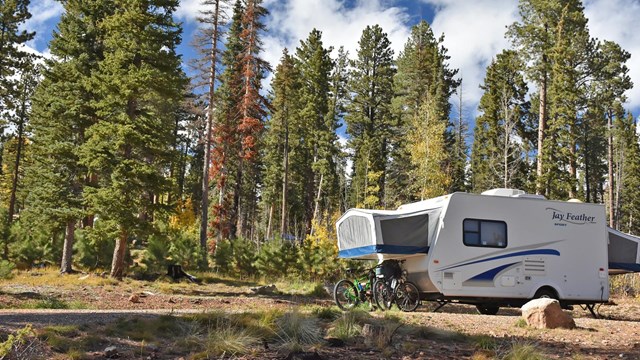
(546, 314)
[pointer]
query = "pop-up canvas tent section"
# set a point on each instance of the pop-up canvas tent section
(366, 234)
(624, 252)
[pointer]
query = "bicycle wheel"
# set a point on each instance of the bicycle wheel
(382, 295)
(407, 296)
(345, 294)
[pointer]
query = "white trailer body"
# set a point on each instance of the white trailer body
(500, 247)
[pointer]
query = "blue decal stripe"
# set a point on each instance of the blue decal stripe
(382, 249)
(625, 266)
(491, 274)
(519, 253)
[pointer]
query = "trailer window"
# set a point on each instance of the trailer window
(484, 233)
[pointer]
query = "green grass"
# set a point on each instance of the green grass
(349, 324)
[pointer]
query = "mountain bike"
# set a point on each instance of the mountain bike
(398, 290)
(349, 293)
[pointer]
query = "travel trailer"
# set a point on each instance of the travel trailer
(500, 248)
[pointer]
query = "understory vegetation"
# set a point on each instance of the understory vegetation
(220, 334)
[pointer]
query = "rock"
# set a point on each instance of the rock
(546, 314)
(134, 298)
(371, 333)
(265, 290)
(84, 277)
(111, 352)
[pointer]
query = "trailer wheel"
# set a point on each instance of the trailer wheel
(546, 293)
(486, 309)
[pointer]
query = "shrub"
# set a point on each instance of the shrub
(15, 342)
(6, 269)
(277, 258)
(34, 241)
(523, 351)
(94, 246)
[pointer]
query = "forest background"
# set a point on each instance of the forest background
(119, 153)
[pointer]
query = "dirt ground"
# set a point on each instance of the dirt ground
(88, 300)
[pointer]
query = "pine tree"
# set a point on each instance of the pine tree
(63, 108)
(252, 110)
(18, 102)
(369, 118)
(225, 145)
(129, 148)
(424, 79)
(498, 151)
(13, 15)
(315, 66)
(629, 157)
(281, 138)
(534, 39)
(212, 21)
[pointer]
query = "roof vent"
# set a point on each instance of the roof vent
(504, 192)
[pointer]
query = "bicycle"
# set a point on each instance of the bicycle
(398, 290)
(349, 293)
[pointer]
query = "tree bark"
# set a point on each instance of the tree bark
(118, 264)
(285, 179)
(204, 223)
(542, 125)
(67, 249)
(16, 174)
(317, 204)
(610, 161)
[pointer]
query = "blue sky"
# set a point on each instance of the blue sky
(474, 29)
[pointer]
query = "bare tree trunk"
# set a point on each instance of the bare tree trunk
(207, 141)
(317, 203)
(269, 222)
(610, 161)
(67, 249)
(542, 125)
(117, 265)
(16, 174)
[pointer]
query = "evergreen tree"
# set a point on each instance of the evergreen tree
(13, 14)
(130, 147)
(424, 79)
(212, 21)
(225, 145)
(629, 158)
(19, 105)
(369, 119)
(534, 39)
(63, 108)
(498, 152)
(282, 140)
(315, 66)
(252, 110)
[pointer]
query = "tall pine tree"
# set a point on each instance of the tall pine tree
(129, 148)
(369, 119)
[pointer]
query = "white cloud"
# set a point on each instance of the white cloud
(41, 12)
(474, 33)
(188, 9)
(617, 20)
(292, 20)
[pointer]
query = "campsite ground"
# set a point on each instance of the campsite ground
(86, 316)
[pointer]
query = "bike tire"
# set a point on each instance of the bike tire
(382, 295)
(346, 295)
(407, 296)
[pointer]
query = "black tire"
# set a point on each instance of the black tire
(346, 295)
(546, 293)
(487, 309)
(382, 295)
(407, 296)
